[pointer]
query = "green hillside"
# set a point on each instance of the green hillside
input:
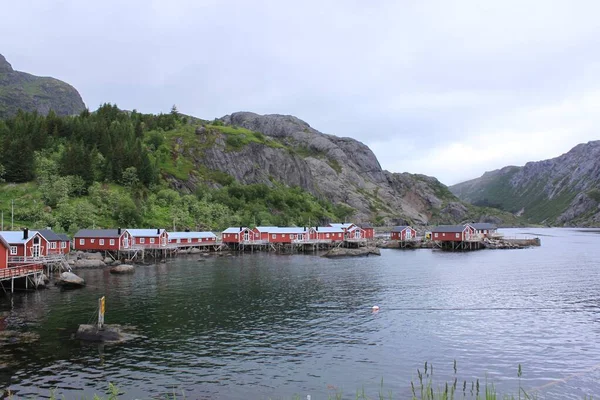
(111, 168)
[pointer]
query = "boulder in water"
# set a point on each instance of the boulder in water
(361, 251)
(106, 334)
(89, 263)
(122, 269)
(69, 280)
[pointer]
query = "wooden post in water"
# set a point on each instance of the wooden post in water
(101, 303)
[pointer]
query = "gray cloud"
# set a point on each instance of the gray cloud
(414, 79)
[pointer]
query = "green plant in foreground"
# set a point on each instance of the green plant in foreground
(423, 388)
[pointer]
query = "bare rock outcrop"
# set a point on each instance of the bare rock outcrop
(561, 191)
(23, 91)
(339, 169)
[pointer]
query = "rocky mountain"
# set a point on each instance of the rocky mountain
(20, 90)
(562, 191)
(253, 148)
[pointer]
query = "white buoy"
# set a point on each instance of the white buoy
(375, 308)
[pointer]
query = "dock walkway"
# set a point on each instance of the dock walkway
(29, 272)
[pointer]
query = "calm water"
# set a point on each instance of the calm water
(265, 326)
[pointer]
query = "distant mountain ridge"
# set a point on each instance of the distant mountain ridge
(23, 91)
(253, 148)
(563, 191)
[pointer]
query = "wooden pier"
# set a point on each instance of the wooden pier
(29, 274)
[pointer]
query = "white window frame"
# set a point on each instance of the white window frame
(151, 240)
(81, 242)
(435, 234)
(273, 236)
(142, 240)
(92, 240)
(458, 235)
(189, 240)
(327, 235)
(53, 245)
(63, 245)
(101, 242)
(112, 242)
(14, 250)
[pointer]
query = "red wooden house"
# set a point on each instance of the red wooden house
(238, 235)
(327, 233)
(354, 233)
(369, 231)
(403, 233)
(102, 239)
(453, 233)
(263, 233)
(287, 235)
(59, 243)
(485, 229)
(4, 250)
(148, 238)
(25, 246)
(191, 238)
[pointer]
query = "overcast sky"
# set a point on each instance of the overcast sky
(445, 88)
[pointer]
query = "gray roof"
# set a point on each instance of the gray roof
(328, 229)
(64, 237)
(365, 225)
(234, 230)
(400, 228)
(483, 225)
(191, 235)
(145, 232)
(98, 233)
(449, 228)
(49, 235)
(16, 237)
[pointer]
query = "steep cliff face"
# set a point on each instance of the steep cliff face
(22, 91)
(342, 170)
(561, 191)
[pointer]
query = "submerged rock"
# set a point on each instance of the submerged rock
(107, 334)
(69, 280)
(122, 269)
(361, 251)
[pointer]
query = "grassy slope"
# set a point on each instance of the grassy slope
(497, 191)
(474, 213)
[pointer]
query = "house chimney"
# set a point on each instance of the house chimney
(158, 231)
(241, 228)
(304, 229)
(187, 230)
(316, 228)
(25, 234)
(119, 231)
